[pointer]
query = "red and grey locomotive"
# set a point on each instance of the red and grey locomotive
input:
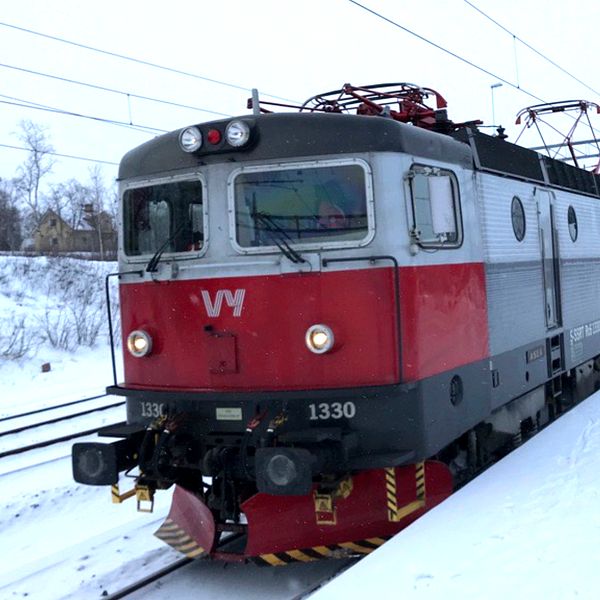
(331, 316)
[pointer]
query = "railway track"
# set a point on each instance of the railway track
(293, 582)
(24, 421)
(99, 412)
(52, 441)
(50, 408)
(146, 581)
(319, 582)
(165, 571)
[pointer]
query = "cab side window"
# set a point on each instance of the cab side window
(434, 211)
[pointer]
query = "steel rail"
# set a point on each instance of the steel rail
(58, 419)
(313, 587)
(35, 465)
(64, 438)
(47, 408)
(142, 583)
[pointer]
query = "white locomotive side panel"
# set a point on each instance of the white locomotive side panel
(514, 274)
(495, 198)
(577, 223)
(512, 287)
(513, 269)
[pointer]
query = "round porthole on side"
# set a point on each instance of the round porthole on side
(517, 213)
(572, 221)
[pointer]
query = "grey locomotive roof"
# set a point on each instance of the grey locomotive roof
(297, 135)
(289, 135)
(499, 156)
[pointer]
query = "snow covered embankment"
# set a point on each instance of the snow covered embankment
(52, 310)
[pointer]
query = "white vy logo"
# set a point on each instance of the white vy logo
(235, 301)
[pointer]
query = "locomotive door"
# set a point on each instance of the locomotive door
(549, 253)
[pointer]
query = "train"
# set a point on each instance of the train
(334, 314)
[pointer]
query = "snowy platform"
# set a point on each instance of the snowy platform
(529, 527)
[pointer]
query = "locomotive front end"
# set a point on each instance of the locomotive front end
(261, 316)
(330, 316)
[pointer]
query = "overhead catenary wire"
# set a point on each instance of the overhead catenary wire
(94, 160)
(215, 81)
(447, 51)
(516, 86)
(35, 106)
(112, 90)
(530, 47)
(138, 60)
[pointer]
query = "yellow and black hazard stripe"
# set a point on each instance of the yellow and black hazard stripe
(420, 477)
(391, 493)
(341, 550)
(170, 533)
(395, 512)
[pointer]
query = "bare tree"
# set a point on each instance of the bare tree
(67, 200)
(10, 218)
(30, 174)
(98, 215)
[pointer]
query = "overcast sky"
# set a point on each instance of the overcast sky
(288, 49)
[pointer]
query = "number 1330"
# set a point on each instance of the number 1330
(336, 410)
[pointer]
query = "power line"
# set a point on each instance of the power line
(95, 160)
(540, 54)
(137, 60)
(33, 105)
(446, 51)
(449, 52)
(112, 90)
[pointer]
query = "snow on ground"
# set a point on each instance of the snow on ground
(56, 535)
(528, 528)
(24, 387)
(46, 306)
(64, 540)
(64, 536)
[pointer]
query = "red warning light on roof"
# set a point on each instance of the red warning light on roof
(213, 136)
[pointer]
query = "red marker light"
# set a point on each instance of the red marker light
(213, 136)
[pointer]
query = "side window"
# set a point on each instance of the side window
(517, 215)
(572, 222)
(435, 208)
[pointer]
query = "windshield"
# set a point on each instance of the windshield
(154, 213)
(307, 205)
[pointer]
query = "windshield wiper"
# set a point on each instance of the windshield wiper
(152, 265)
(278, 236)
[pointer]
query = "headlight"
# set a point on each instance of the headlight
(190, 139)
(139, 343)
(319, 339)
(237, 133)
